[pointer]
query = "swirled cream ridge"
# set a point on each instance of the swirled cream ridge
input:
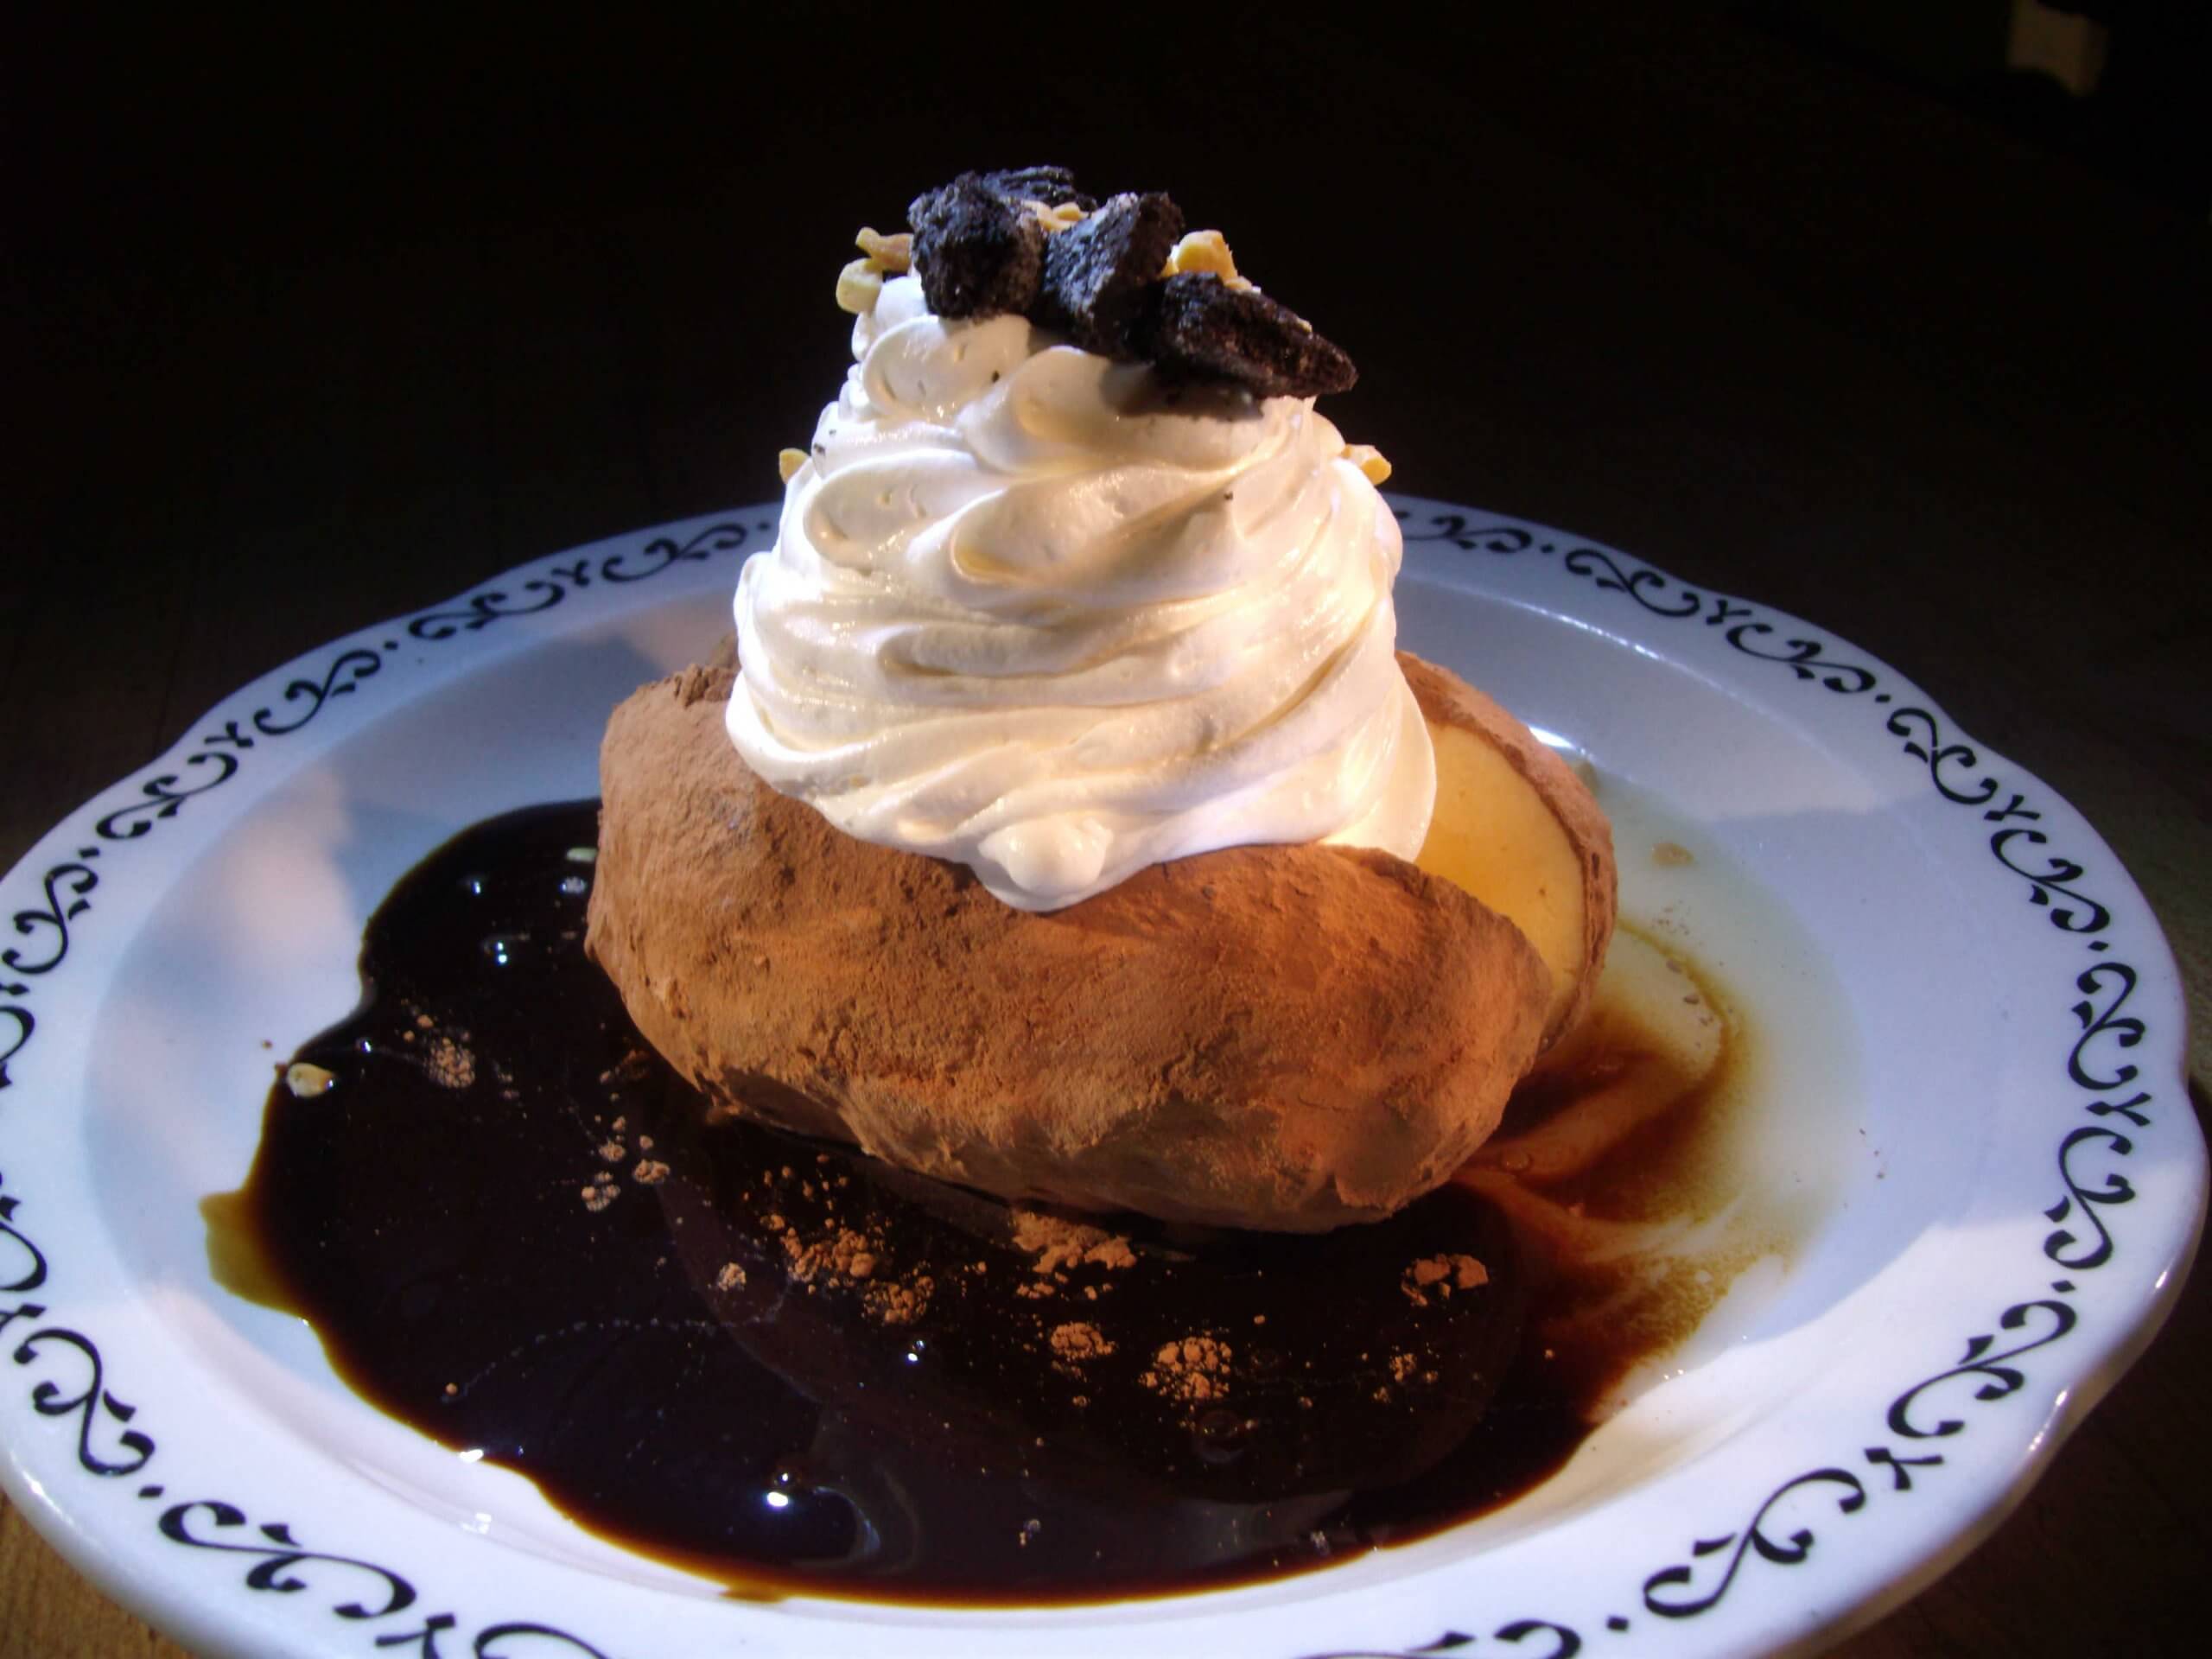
(1030, 610)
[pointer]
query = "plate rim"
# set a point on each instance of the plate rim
(61, 868)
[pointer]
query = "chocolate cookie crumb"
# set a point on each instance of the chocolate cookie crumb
(1115, 279)
(977, 252)
(1205, 329)
(1101, 276)
(1052, 185)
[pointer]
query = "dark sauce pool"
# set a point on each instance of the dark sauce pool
(776, 1362)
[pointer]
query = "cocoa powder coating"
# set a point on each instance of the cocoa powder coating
(1287, 1037)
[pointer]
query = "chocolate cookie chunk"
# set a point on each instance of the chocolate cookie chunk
(981, 250)
(977, 251)
(1050, 185)
(1101, 276)
(1204, 329)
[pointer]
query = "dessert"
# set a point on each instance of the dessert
(1064, 828)
(1061, 832)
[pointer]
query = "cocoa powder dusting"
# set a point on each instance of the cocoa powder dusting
(1056, 1244)
(1078, 1341)
(1194, 1370)
(1441, 1276)
(450, 1065)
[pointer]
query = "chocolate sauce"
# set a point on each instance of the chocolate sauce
(778, 1363)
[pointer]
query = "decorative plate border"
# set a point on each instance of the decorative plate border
(1906, 1446)
(1988, 1370)
(108, 1447)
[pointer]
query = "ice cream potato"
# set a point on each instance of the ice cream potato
(1289, 1037)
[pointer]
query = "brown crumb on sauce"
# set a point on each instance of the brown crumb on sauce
(599, 1192)
(828, 1255)
(306, 1080)
(449, 1065)
(836, 1256)
(1078, 1340)
(899, 1304)
(613, 1152)
(1054, 1243)
(731, 1277)
(650, 1172)
(1441, 1276)
(1193, 1371)
(1672, 856)
(1402, 1366)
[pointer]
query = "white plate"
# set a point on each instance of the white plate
(2010, 1181)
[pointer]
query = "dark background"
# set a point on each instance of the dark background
(309, 324)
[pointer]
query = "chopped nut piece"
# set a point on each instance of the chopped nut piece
(1369, 460)
(307, 1081)
(1204, 250)
(650, 1172)
(789, 462)
(1063, 216)
(731, 1277)
(859, 286)
(892, 255)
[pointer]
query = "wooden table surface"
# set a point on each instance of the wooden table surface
(307, 334)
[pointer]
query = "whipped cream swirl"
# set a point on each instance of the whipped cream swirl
(1030, 611)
